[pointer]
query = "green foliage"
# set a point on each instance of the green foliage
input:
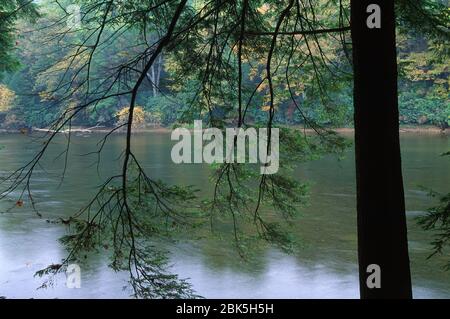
(424, 83)
(173, 108)
(10, 12)
(438, 221)
(425, 17)
(251, 207)
(416, 109)
(103, 113)
(321, 88)
(134, 232)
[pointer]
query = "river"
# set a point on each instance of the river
(324, 265)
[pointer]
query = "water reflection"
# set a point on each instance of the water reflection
(324, 265)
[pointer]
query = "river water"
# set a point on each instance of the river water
(324, 265)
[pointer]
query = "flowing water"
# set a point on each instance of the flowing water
(324, 265)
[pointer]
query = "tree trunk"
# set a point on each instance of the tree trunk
(382, 233)
(158, 72)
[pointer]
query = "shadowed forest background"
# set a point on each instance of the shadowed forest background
(28, 98)
(89, 93)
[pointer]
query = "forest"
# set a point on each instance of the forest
(92, 93)
(167, 93)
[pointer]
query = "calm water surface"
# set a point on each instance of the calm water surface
(324, 266)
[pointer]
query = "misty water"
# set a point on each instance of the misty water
(323, 266)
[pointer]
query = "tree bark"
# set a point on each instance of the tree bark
(382, 232)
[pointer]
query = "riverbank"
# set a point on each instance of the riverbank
(421, 129)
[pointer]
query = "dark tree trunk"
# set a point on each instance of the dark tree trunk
(382, 234)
